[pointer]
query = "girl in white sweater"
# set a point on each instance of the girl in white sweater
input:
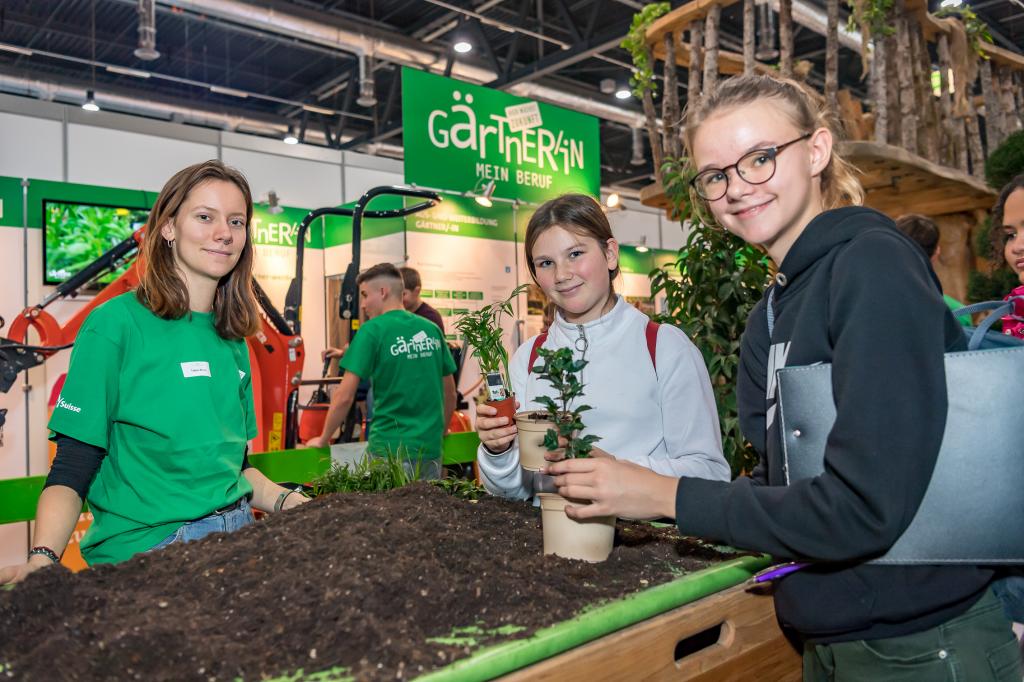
(648, 387)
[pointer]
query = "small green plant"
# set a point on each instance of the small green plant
(482, 330)
(977, 30)
(874, 17)
(562, 372)
(462, 488)
(710, 291)
(636, 44)
(368, 475)
(1006, 162)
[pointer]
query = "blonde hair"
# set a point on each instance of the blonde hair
(805, 108)
(162, 289)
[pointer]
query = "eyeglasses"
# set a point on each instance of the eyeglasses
(756, 168)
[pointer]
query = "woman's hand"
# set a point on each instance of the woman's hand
(614, 488)
(496, 433)
(9, 575)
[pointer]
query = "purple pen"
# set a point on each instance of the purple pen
(776, 572)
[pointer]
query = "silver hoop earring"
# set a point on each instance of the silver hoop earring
(170, 243)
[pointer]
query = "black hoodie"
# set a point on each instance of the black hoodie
(857, 293)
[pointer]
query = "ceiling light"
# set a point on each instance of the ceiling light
(623, 93)
(289, 137)
(607, 85)
(462, 46)
(612, 200)
(15, 49)
(220, 90)
(951, 3)
(641, 246)
(485, 198)
(367, 95)
(90, 102)
(123, 71)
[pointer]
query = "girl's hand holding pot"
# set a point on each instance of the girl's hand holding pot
(496, 433)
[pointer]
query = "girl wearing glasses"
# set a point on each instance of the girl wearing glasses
(767, 171)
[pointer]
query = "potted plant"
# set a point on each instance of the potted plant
(592, 539)
(482, 331)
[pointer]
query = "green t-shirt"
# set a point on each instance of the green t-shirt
(404, 356)
(171, 403)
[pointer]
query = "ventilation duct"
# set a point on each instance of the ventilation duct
(766, 50)
(367, 96)
(638, 148)
(146, 51)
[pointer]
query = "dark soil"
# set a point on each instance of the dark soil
(354, 580)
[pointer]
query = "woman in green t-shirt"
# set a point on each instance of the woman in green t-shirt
(153, 421)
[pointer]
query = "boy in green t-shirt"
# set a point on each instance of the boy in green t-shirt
(410, 368)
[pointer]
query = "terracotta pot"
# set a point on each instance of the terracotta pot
(531, 439)
(589, 540)
(505, 408)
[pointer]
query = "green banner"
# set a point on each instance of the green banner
(460, 136)
(339, 228)
(642, 262)
(282, 229)
(10, 202)
(464, 217)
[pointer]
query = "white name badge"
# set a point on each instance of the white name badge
(195, 369)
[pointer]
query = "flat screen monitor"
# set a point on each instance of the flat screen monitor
(79, 233)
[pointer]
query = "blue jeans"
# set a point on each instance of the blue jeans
(217, 522)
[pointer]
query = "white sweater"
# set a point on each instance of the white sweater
(665, 420)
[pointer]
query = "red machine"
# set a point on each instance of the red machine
(276, 351)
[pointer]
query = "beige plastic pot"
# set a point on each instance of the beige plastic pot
(531, 439)
(589, 540)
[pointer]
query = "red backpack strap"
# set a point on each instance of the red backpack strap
(537, 343)
(652, 342)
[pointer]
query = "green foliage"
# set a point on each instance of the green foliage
(977, 30)
(76, 235)
(1006, 162)
(992, 286)
(368, 475)
(462, 488)
(634, 43)
(710, 292)
(872, 16)
(562, 372)
(481, 329)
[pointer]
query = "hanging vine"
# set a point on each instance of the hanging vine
(874, 19)
(977, 30)
(643, 64)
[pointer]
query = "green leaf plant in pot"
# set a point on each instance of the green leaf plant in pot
(592, 539)
(482, 331)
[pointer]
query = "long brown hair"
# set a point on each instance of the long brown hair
(162, 289)
(806, 109)
(573, 212)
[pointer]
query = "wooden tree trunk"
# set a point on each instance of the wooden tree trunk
(974, 143)
(786, 38)
(905, 66)
(670, 98)
(1018, 97)
(892, 90)
(693, 93)
(993, 127)
(749, 37)
(652, 126)
(928, 124)
(832, 55)
(954, 125)
(1011, 115)
(711, 48)
(879, 87)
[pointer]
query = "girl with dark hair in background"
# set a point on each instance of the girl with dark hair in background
(1008, 233)
(651, 397)
(152, 423)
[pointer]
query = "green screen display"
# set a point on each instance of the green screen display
(77, 234)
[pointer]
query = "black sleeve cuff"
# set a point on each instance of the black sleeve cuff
(75, 464)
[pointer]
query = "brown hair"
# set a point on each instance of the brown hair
(806, 109)
(996, 232)
(410, 278)
(383, 271)
(573, 212)
(162, 289)
(922, 230)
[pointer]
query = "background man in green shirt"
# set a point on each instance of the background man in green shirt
(410, 368)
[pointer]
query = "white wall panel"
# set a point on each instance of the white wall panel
(31, 147)
(298, 182)
(115, 158)
(358, 180)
